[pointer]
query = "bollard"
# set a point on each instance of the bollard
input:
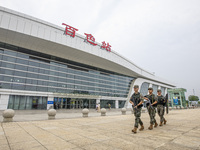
(143, 110)
(51, 114)
(8, 115)
(85, 112)
(123, 111)
(103, 112)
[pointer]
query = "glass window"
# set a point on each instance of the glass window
(7, 78)
(42, 89)
(30, 88)
(20, 55)
(32, 75)
(20, 67)
(10, 59)
(28, 102)
(22, 61)
(20, 73)
(44, 66)
(12, 53)
(5, 71)
(155, 88)
(11, 102)
(31, 63)
(105, 103)
(18, 86)
(7, 65)
(19, 80)
(51, 89)
(16, 102)
(144, 88)
(22, 102)
(121, 104)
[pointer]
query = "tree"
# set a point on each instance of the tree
(193, 98)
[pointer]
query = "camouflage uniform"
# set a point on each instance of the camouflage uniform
(160, 107)
(136, 99)
(152, 110)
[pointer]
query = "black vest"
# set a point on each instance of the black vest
(135, 98)
(161, 100)
(152, 99)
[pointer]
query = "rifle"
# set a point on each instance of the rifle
(149, 102)
(166, 103)
(134, 105)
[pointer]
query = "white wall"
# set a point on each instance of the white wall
(3, 101)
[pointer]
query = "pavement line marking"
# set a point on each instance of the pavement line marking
(31, 135)
(5, 136)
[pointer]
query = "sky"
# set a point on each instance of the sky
(160, 36)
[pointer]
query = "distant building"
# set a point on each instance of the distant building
(177, 97)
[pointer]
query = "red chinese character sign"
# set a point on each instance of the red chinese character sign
(69, 30)
(106, 46)
(90, 39)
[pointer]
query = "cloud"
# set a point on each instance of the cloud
(160, 36)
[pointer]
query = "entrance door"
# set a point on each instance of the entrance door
(76, 103)
(60, 103)
(34, 103)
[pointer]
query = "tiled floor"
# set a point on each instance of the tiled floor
(182, 132)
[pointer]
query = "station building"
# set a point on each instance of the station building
(42, 67)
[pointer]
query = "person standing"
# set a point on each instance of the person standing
(151, 106)
(109, 106)
(96, 107)
(99, 107)
(160, 107)
(137, 100)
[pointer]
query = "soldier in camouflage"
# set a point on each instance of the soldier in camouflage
(136, 100)
(151, 109)
(160, 107)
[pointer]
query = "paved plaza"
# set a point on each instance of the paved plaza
(112, 132)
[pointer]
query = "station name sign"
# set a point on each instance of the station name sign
(71, 31)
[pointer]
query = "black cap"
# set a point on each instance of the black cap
(136, 86)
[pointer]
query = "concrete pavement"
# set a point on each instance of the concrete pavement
(182, 132)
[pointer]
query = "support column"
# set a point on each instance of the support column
(172, 102)
(116, 103)
(50, 102)
(181, 99)
(165, 90)
(98, 100)
(150, 85)
(127, 104)
(4, 101)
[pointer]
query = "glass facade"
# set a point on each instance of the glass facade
(121, 104)
(19, 102)
(155, 88)
(144, 88)
(163, 91)
(24, 69)
(74, 103)
(104, 103)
